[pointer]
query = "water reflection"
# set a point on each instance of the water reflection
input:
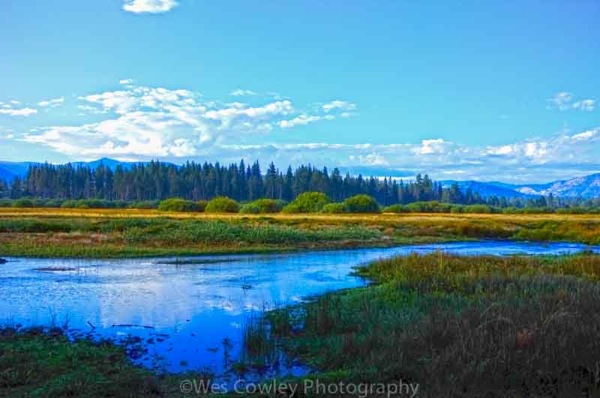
(190, 314)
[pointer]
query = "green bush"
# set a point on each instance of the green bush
(572, 210)
(262, 206)
(334, 208)
(69, 204)
(177, 204)
(361, 204)
(456, 209)
(397, 208)
(222, 204)
(201, 204)
(96, 203)
(479, 209)
(54, 203)
(307, 202)
(5, 203)
(22, 203)
(428, 207)
(537, 210)
(144, 204)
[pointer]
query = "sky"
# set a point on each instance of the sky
(484, 90)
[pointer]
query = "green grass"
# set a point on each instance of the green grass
(458, 326)
(131, 233)
(34, 363)
(138, 237)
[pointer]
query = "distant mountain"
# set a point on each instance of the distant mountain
(584, 187)
(107, 162)
(487, 189)
(579, 187)
(10, 170)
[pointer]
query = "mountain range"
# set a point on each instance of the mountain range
(579, 187)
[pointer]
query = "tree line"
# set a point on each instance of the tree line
(203, 181)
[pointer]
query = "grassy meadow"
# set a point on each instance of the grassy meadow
(100, 233)
(458, 326)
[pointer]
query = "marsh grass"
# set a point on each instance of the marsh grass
(130, 237)
(44, 363)
(130, 232)
(459, 326)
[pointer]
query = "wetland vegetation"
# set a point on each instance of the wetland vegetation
(133, 233)
(456, 325)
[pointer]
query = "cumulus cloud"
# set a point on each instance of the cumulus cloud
(135, 122)
(159, 122)
(149, 6)
(585, 105)
(337, 104)
(565, 101)
(242, 93)
(14, 108)
(51, 103)
(434, 146)
(559, 156)
(303, 120)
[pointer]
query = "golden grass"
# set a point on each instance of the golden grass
(384, 217)
(67, 232)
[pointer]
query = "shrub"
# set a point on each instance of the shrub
(537, 210)
(334, 208)
(177, 204)
(361, 204)
(69, 204)
(512, 210)
(222, 204)
(455, 209)
(397, 208)
(22, 203)
(262, 206)
(95, 204)
(307, 202)
(572, 210)
(5, 203)
(481, 209)
(201, 204)
(121, 204)
(427, 207)
(55, 203)
(144, 204)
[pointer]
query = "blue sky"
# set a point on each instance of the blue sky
(495, 90)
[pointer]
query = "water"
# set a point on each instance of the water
(189, 316)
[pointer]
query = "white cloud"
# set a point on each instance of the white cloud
(52, 103)
(555, 157)
(303, 120)
(125, 82)
(146, 122)
(138, 122)
(371, 159)
(17, 112)
(337, 104)
(242, 93)
(429, 147)
(149, 6)
(564, 101)
(585, 105)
